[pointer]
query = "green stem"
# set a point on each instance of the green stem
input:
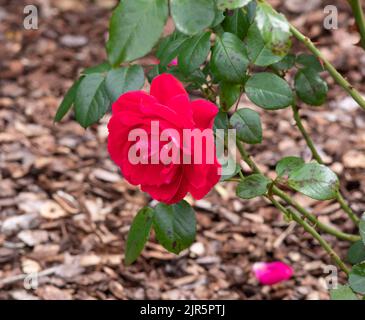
(340, 235)
(246, 157)
(307, 227)
(359, 18)
(340, 199)
(305, 134)
(297, 217)
(341, 81)
(313, 219)
(344, 205)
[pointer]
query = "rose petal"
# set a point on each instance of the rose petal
(202, 179)
(204, 113)
(165, 86)
(132, 101)
(169, 193)
(182, 106)
(272, 273)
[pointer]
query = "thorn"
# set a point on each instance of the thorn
(321, 62)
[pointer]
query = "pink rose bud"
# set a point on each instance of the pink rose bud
(174, 62)
(272, 273)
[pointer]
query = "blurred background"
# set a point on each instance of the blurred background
(65, 210)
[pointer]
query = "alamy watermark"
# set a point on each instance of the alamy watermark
(31, 281)
(331, 20)
(31, 18)
(186, 146)
(332, 276)
(30, 21)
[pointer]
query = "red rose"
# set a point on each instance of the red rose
(162, 170)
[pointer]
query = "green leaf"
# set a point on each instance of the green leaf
(231, 4)
(237, 23)
(165, 42)
(362, 228)
(248, 125)
(250, 11)
(154, 72)
(274, 29)
(175, 226)
(356, 253)
(357, 278)
(229, 61)
(253, 186)
(315, 181)
(92, 99)
(121, 80)
(195, 79)
(218, 18)
(310, 87)
(258, 51)
(221, 121)
(309, 61)
(135, 27)
(194, 52)
(269, 91)
(170, 48)
(343, 293)
(229, 93)
(229, 168)
(285, 64)
(138, 234)
(100, 68)
(287, 165)
(67, 101)
(191, 16)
